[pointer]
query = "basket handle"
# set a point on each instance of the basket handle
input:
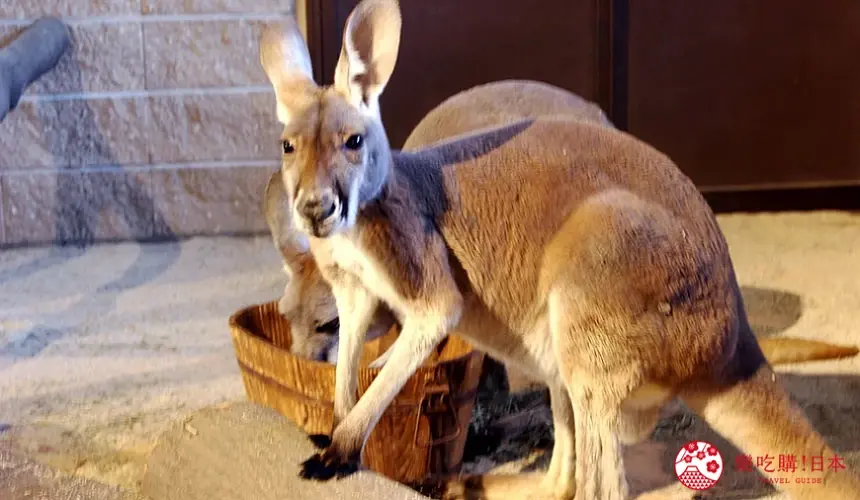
(436, 399)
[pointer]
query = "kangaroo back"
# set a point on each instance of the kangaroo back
(499, 103)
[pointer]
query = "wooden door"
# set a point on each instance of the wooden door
(747, 96)
(748, 93)
(451, 45)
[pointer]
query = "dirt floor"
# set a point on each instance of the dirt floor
(102, 348)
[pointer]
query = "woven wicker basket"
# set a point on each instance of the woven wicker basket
(420, 435)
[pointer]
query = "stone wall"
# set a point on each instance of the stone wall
(159, 122)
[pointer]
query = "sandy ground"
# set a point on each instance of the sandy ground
(102, 348)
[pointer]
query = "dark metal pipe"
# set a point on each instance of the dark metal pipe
(32, 54)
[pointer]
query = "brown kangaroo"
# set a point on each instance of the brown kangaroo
(308, 302)
(571, 250)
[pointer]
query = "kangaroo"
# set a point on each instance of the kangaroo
(573, 251)
(499, 103)
(308, 302)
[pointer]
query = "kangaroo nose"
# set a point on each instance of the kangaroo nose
(317, 208)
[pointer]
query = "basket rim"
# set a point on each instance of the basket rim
(236, 325)
(400, 404)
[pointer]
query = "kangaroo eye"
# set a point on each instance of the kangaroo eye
(354, 142)
(287, 146)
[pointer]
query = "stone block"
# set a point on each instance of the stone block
(203, 54)
(21, 478)
(222, 200)
(76, 206)
(214, 127)
(31, 9)
(246, 452)
(72, 133)
(208, 6)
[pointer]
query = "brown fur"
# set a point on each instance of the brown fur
(570, 249)
(477, 108)
(307, 301)
(499, 103)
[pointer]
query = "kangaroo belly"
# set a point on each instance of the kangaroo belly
(528, 349)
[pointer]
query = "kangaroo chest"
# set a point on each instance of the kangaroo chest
(341, 253)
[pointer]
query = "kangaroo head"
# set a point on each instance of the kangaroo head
(308, 302)
(309, 305)
(336, 155)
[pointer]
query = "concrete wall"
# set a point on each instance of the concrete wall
(158, 123)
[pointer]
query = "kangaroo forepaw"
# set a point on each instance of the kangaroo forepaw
(327, 465)
(321, 441)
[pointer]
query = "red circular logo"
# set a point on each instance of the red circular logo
(699, 465)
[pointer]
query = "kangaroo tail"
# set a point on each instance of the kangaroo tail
(783, 350)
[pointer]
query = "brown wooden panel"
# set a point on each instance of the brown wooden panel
(450, 45)
(748, 92)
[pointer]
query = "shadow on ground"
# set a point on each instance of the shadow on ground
(650, 464)
(81, 204)
(771, 311)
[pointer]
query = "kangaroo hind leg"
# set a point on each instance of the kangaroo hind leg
(601, 274)
(753, 411)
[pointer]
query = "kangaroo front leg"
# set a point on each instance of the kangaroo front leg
(356, 306)
(420, 335)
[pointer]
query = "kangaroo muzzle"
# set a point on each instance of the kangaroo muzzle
(320, 212)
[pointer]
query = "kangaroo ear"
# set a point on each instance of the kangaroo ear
(292, 245)
(371, 40)
(287, 62)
